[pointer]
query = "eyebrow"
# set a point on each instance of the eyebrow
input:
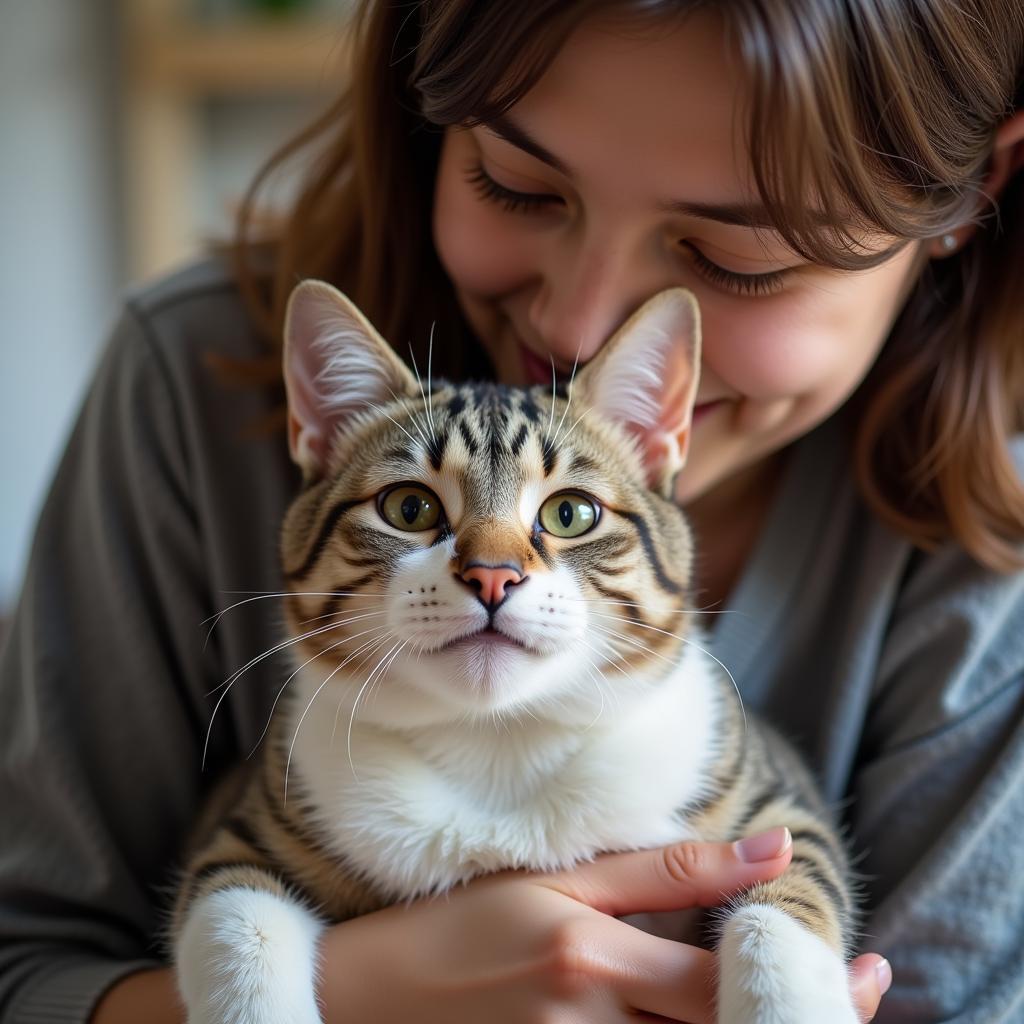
(505, 128)
(745, 215)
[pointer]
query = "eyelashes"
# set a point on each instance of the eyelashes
(744, 284)
(512, 201)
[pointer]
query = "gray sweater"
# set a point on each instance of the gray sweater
(900, 675)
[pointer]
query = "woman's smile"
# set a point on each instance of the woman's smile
(590, 195)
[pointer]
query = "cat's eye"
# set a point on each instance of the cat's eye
(410, 507)
(568, 514)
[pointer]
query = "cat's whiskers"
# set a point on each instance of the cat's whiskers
(633, 643)
(375, 688)
(417, 639)
(331, 615)
(597, 678)
(613, 661)
(430, 370)
(426, 394)
(600, 692)
(554, 395)
(370, 647)
(654, 608)
(383, 412)
(568, 393)
(656, 654)
(319, 654)
(579, 419)
(238, 673)
(735, 686)
(298, 727)
(289, 642)
(265, 595)
(414, 418)
(355, 705)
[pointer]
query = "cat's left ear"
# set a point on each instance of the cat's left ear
(335, 367)
(645, 378)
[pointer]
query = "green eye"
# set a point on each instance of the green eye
(409, 507)
(568, 514)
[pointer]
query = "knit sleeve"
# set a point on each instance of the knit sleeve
(938, 800)
(101, 689)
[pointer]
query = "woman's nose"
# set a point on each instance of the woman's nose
(583, 300)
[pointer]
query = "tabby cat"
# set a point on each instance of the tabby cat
(495, 669)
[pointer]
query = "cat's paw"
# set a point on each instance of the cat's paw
(772, 970)
(248, 957)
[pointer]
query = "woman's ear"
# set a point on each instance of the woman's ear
(335, 367)
(1007, 160)
(645, 378)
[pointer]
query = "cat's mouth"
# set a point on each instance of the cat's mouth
(487, 637)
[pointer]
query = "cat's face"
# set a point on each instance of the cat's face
(480, 548)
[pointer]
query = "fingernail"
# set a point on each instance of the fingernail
(766, 846)
(884, 973)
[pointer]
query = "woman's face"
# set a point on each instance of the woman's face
(623, 172)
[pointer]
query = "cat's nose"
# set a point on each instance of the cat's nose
(490, 582)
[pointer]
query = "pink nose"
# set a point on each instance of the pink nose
(490, 581)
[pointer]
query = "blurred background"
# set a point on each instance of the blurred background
(128, 131)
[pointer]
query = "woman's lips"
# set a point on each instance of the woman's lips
(701, 410)
(538, 371)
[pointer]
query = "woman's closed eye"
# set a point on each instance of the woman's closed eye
(745, 284)
(513, 201)
(509, 199)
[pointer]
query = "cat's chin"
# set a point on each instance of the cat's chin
(485, 667)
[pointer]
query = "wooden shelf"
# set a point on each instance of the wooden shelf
(249, 57)
(172, 65)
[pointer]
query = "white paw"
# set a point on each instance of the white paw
(248, 957)
(772, 970)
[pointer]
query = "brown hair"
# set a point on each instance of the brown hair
(894, 105)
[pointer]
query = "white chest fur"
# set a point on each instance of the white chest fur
(428, 807)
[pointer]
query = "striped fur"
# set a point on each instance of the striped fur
(409, 754)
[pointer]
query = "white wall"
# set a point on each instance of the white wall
(63, 267)
(59, 261)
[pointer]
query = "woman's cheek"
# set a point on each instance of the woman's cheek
(821, 340)
(478, 255)
(764, 353)
(476, 242)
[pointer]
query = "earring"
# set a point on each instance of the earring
(949, 242)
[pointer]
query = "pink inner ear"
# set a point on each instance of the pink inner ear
(335, 366)
(646, 379)
(309, 422)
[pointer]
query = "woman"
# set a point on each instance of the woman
(839, 186)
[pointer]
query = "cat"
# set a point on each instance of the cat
(495, 668)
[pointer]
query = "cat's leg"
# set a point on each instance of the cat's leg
(246, 954)
(781, 954)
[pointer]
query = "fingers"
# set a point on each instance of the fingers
(870, 978)
(688, 874)
(668, 979)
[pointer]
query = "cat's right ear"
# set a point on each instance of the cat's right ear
(335, 366)
(645, 378)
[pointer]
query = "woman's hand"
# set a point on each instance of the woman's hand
(521, 947)
(870, 978)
